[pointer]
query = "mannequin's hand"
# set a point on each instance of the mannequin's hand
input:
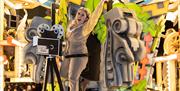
(105, 0)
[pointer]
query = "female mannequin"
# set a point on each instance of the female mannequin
(77, 34)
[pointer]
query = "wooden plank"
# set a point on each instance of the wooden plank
(170, 57)
(179, 15)
(5, 43)
(27, 4)
(1, 48)
(159, 75)
(179, 31)
(22, 79)
(1, 18)
(179, 78)
(171, 75)
(18, 61)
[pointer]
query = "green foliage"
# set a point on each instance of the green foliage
(91, 4)
(101, 29)
(124, 89)
(61, 16)
(141, 86)
(160, 27)
(119, 5)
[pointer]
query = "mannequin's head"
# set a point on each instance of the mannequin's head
(82, 15)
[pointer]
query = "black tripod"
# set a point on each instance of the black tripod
(51, 64)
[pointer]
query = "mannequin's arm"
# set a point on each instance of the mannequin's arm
(91, 23)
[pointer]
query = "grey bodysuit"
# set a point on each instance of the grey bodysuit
(76, 42)
(74, 65)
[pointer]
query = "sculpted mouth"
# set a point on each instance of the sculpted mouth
(79, 19)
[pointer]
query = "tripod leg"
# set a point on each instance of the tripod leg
(57, 75)
(46, 75)
(51, 72)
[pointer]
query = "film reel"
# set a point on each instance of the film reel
(42, 28)
(58, 29)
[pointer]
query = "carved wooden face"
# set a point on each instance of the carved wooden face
(81, 17)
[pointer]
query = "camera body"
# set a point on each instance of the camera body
(48, 46)
(48, 39)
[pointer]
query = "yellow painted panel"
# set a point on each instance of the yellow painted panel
(155, 11)
(78, 2)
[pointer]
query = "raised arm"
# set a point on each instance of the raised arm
(91, 23)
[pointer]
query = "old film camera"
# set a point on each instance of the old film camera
(44, 44)
(49, 45)
(49, 41)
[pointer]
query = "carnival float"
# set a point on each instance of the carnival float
(134, 45)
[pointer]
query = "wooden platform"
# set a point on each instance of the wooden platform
(27, 4)
(5, 43)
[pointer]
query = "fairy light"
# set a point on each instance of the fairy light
(166, 58)
(1, 58)
(42, 1)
